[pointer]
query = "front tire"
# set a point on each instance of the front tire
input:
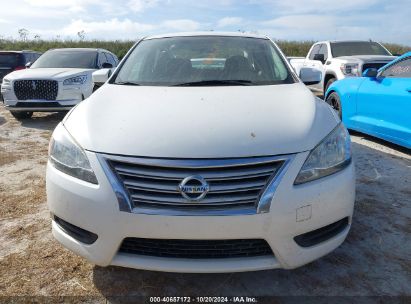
(329, 83)
(21, 114)
(335, 102)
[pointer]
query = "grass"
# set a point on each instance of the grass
(120, 47)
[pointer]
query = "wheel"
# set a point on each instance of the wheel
(329, 83)
(21, 114)
(334, 101)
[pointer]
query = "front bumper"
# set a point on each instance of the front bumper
(67, 98)
(37, 108)
(95, 208)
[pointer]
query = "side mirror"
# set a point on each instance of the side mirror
(107, 65)
(370, 73)
(101, 76)
(319, 57)
(310, 76)
(28, 64)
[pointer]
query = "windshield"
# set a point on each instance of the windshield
(204, 60)
(9, 60)
(339, 49)
(67, 59)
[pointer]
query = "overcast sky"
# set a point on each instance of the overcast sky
(387, 21)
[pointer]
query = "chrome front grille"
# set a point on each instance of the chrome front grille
(153, 184)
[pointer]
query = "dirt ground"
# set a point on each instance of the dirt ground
(374, 260)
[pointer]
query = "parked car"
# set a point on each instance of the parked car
(57, 81)
(176, 166)
(340, 59)
(379, 103)
(15, 60)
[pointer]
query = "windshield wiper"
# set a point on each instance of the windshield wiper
(214, 83)
(130, 83)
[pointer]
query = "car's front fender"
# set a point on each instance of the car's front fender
(347, 90)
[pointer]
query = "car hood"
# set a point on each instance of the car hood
(42, 73)
(368, 58)
(201, 122)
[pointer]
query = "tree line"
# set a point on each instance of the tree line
(120, 47)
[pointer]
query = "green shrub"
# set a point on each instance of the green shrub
(120, 47)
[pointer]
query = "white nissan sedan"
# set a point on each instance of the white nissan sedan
(203, 152)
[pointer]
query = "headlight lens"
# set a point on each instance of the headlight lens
(75, 80)
(5, 81)
(352, 69)
(67, 156)
(332, 155)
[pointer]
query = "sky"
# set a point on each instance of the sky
(379, 20)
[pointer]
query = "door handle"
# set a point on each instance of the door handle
(408, 90)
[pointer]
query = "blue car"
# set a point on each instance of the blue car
(379, 103)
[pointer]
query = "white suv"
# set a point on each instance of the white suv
(57, 81)
(228, 163)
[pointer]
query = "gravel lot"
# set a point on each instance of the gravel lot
(375, 259)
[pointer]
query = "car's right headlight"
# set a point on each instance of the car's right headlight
(350, 69)
(77, 80)
(5, 82)
(67, 156)
(331, 155)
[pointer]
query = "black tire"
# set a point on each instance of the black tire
(329, 83)
(21, 114)
(335, 102)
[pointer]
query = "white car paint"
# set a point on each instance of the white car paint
(189, 124)
(201, 115)
(68, 95)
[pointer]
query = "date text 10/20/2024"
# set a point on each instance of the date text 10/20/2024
(238, 299)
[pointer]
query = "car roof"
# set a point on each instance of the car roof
(19, 52)
(210, 33)
(345, 41)
(80, 50)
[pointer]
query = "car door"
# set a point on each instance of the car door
(384, 103)
(315, 64)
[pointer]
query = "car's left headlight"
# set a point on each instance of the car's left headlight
(67, 156)
(331, 155)
(75, 80)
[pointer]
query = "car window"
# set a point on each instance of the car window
(35, 57)
(101, 59)
(339, 49)
(110, 59)
(115, 59)
(10, 60)
(400, 69)
(26, 57)
(67, 59)
(324, 50)
(29, 58)
(176, 60)
(314, 51)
